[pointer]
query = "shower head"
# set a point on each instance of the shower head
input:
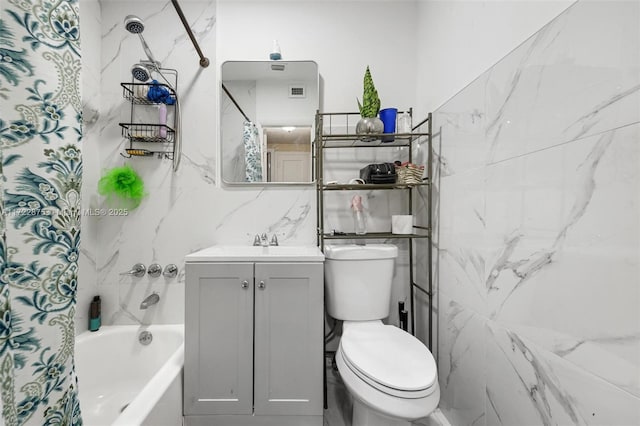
(141, 72)
(133, 24)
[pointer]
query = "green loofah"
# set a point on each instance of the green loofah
(123, 183)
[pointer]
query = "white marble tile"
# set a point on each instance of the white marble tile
(542, 270)
(539, 217)
(578, 76)
(589, 240)
(529, 385)
(462, 252)
(461, 363)
(459, 130)
(169, 310)
(521, 388)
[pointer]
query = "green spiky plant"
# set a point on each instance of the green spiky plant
(370, 101)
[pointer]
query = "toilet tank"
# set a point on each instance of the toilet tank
(358, 280)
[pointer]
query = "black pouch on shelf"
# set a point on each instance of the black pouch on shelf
(379, 173)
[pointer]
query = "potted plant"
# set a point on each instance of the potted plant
(369, 123)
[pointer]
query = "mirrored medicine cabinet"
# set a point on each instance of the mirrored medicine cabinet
(267, 115)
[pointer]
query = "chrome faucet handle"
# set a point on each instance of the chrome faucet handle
(264, 240)
(138, 270)
(256, 240)
(154, 270)
(274, 240)
(170, 271)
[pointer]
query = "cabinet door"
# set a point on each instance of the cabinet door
(288, 338)
(218, 368)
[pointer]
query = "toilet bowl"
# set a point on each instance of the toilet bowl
(391, 375)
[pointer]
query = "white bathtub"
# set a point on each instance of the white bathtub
(116, 371)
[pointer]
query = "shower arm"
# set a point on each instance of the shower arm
(204, 62)
(147, 52)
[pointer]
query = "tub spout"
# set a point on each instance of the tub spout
(151, 299)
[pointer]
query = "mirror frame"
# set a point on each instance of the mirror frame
(312, 124)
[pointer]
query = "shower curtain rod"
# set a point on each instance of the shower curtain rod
(235, 103)
(204, 62)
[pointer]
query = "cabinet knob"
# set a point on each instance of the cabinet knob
(245, 284)
(261, 285)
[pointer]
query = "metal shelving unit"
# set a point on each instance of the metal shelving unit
(345, 137)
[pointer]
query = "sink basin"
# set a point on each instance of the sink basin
(257, 254)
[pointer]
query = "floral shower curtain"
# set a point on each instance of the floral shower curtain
(252, 152)
(41, 170)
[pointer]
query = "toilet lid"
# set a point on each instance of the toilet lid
(389, 356)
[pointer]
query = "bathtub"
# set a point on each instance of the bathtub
(124, 383)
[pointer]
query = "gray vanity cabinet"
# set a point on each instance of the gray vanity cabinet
(218, 367)
(253, 343)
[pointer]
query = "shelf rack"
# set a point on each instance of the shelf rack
(151, 139)
(145, 132)
(345, 137)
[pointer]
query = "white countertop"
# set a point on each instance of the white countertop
(222, 253)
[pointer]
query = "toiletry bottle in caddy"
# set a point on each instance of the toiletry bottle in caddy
(162, 121)
(358, 215)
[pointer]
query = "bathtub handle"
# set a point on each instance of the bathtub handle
(170, 271)
(138, 270)
(245, 284)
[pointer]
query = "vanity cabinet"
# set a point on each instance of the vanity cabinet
(254, 343)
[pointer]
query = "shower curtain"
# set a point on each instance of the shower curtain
(252, 152)
(40, 177)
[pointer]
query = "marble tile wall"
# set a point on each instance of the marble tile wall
(538, 242)
(192, 209)
(186, 210)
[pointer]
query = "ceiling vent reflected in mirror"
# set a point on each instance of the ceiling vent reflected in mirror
(297, 91)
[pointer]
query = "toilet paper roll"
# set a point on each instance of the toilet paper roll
(402, 224)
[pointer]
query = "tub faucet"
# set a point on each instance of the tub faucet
(151, 299)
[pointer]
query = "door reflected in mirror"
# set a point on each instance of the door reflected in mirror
(288, 153)
(267, 121)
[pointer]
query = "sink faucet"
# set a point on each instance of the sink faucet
(151, 299)
(263, 240)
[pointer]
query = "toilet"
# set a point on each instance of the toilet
(390, 374)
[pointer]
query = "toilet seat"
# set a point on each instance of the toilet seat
(388, 359)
